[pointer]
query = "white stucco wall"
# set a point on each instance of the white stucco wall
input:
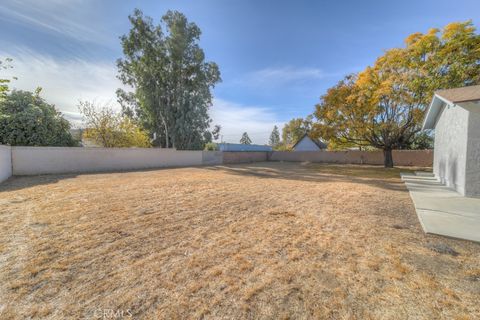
(5, 162)
(47, 160)
(451, 136)
(472, 183)
(306, 144)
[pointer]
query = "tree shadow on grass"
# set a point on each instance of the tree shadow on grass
(22, 182)
(376, 176)
(314, 172)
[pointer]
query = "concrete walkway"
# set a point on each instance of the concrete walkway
(441, 210)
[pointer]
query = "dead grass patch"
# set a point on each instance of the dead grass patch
(266, 240)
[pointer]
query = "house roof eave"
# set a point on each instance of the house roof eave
(433, 110)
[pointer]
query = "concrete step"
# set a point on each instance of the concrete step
(441, 210)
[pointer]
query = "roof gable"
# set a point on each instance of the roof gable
(319, 144)
(448, 97)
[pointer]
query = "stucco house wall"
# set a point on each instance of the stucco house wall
(454, 114)
(306, 144)
(451, 136)
(472, 176)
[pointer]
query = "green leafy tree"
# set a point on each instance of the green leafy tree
(282, 147)
(295, 129)
(28, 120)
(245, 139)
(274, 137)
(216, 131)
(383, 106)
(172, 83)
(421, 141)
(211, 146)
(109, 128)
(438, 59)
(4, 65)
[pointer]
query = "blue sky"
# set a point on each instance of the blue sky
(276, 57)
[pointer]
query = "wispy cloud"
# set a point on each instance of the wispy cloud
(288, 75)
(64, 18)
(64, 82)
(237, 118)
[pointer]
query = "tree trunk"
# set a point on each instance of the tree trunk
(166, 130)
(387, 158)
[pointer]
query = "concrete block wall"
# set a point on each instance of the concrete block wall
(57, 160)
(244, 157)
(51, 160)
(415, 158)
(5, 162)
(211, 158)
(419, 158)
(343, 157)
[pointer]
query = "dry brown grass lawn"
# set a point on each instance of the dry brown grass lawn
(266, 240)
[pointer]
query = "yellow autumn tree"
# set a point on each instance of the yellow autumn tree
(383, 105)
(108, 128)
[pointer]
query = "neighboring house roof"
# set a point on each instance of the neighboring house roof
(320, 144)
(242, 147)
(449, 97)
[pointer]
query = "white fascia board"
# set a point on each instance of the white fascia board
(433, 110)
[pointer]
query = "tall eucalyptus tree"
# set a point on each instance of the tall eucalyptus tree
(171, 81)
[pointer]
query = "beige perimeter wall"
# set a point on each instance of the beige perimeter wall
(419, 158)
(51, 160)
(244, 157)
(5, 162)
